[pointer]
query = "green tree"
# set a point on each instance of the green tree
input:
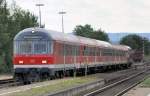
(22, 19)
(4, 22)
(10, 25)
(89, 32)
(136, 42)
(4, 34)
(84, 31)
(100, 35)
(146, 44)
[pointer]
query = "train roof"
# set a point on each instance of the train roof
(66, 38)
(121, 47)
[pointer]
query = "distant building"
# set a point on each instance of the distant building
(116, 37)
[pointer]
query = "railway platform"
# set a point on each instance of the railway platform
(5, 76)
(44, 87)
(138, 91)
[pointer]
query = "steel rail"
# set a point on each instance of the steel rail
(93, 93)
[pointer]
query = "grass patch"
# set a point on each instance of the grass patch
(146, 83)
(147, 57)
(63, 84)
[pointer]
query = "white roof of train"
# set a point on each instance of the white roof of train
(59, 36)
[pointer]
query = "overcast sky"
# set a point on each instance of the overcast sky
(109, 15)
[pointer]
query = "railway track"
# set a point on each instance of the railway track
(12, 82)
(119, 75)
(8, 83)
(120, 87)
(109, 78)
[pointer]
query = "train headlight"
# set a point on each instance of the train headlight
(44, 61)
(20, 62)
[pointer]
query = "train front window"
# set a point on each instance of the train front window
(25, 47)
(41, 47)
(32, 47)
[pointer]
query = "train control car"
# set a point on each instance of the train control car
(41, 53)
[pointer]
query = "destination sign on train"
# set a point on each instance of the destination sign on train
(32, 37)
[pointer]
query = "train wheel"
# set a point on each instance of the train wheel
(33, 76)
(56, 74)
(71, 72)
(44, 76)
(67, 73)
(61, 74)
(19, 77)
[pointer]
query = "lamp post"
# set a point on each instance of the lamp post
(39, 5)
(62, 19)
(62, 13)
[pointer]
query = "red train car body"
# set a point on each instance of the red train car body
(39, 52)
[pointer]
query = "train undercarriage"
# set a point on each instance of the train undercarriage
(29, 75)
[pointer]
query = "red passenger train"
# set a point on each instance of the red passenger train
(41, 53)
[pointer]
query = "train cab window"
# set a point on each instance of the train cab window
(25, 47)
(32, 47)
(40, 48)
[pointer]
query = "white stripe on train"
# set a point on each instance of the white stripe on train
(68, 65)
